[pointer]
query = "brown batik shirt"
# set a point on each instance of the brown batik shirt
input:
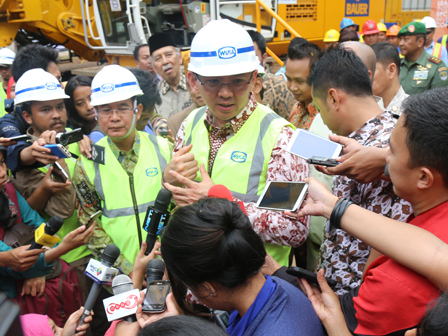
(343, 256)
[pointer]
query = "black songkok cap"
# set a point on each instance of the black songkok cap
(160, 40)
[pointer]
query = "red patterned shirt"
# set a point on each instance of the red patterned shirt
(271, 226)
(302, 116)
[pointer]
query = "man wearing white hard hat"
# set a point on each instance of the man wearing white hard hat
(128, 180)
(234, 140)
(41, 98)
(6, 58)
(433, 48)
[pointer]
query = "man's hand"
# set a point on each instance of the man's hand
(270, 266)
(78, 237)
(71, 326)
(172, 309)
(84, 147)
(34, 286)
(327, 306)
(193, 191)
(51, 187)
(183, 163)
(20, 259)
(40, 153)
(319, 202)
(5, 142)
(359, 163)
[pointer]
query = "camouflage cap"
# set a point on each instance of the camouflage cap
(412, 28)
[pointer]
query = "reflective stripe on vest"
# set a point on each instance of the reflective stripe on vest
(120, 193)
(256, 172)
(437, 51)
(444, 38)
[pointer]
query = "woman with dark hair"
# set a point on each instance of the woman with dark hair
(211, 249)
(79, 111)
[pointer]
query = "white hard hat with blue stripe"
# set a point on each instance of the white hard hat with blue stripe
(7, 56)
(113, 84)
(38, 85)
(222, 48)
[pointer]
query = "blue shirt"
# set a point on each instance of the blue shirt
(443, 57)
(40, 268)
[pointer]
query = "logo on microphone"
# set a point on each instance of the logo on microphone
(129, 303)
(238, 157)
(99, 271)
(153, 171)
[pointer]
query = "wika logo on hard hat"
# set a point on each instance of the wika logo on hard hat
(227, 52)
(238, 157)
(51, 86)
(108, 87)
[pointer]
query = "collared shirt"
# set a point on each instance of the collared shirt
(172, 101)
(276, 95)
(395, 104)
(443, 55)
(426, 73)
(271, 226)
(88, 202)
(342, 255)
(302, 116)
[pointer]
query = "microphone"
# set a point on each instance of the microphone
(221, 191)
(51, 227)
(156, 216)
(155, 268)
(122, 284)
(110, 255)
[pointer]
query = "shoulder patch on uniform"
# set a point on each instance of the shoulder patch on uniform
(435, 60)
(442, 69)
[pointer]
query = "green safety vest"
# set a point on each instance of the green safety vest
(3, 96)
(444, 38)
(71, 223)
(437, 50)
(125, 198)
(242, 161)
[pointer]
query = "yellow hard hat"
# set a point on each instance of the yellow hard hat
(382, 27)
(331, 36)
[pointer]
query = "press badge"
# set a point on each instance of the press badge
(98, 153)
(421, 75)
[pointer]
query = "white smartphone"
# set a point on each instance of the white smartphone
(306, 145)
(279, 195)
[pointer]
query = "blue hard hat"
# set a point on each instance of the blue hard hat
(346, 22)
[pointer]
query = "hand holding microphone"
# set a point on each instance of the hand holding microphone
(45, 232)
(156, 218)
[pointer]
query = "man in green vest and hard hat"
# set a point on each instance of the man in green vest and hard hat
(234, 140)
(130, 177)
(419, 71)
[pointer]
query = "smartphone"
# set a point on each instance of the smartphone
(59, 174)
(306, 145)
(20, 137)
(94, 217)
(59, 151)
(282, 195)
(321, 161)
(155, 298)
(309, 276)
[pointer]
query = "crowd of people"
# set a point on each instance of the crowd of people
(373, 223)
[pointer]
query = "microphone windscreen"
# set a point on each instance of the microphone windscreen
(53, 225)
(110, 255)
(122, 284)
(220, 191)
(163, 200)
(155, 269)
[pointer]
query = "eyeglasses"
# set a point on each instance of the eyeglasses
(5, 67)
(429, 32)
(107, 112)
(214, 85)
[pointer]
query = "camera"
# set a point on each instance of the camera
(66, 138)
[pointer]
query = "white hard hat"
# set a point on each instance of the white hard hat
(222, 48)
(113, 84)
(7, 56)
(38, 85)
(429, 22)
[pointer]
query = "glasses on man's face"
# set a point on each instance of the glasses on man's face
(5, 67)
(106, 112)
(214, 85)
(429, 32)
